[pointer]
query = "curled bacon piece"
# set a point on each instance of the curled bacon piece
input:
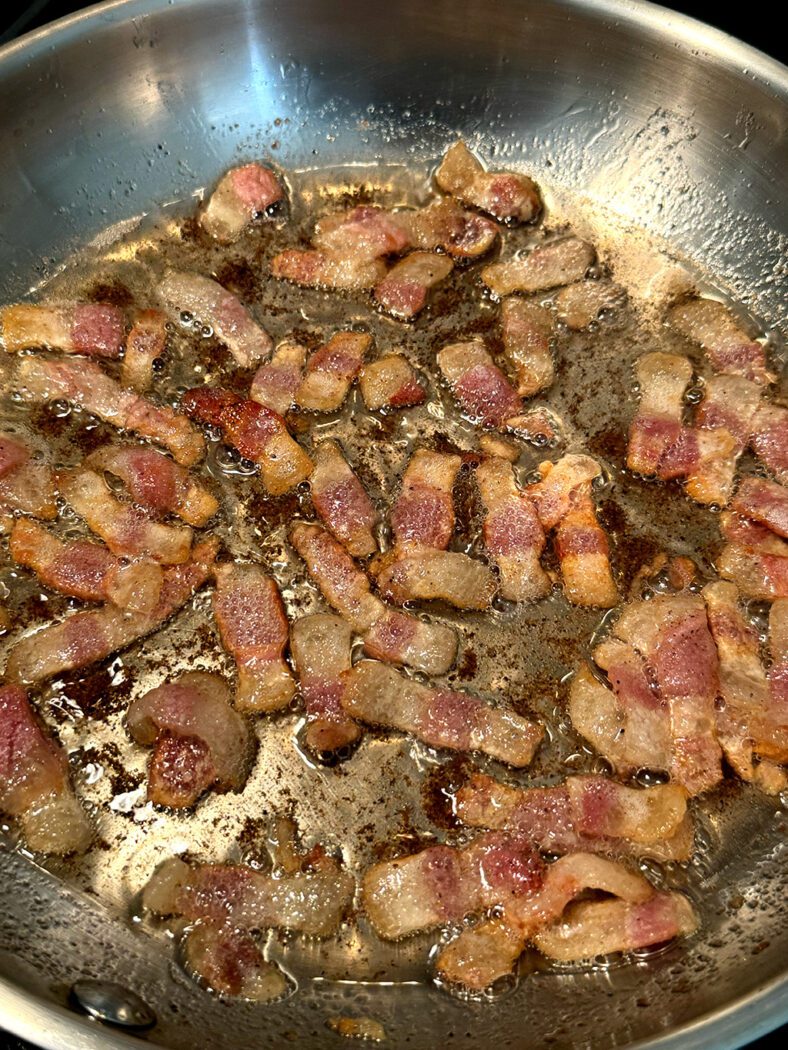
(403, 291)
(444, 224)
(754, 558)
(145, 344)
(258, 433)
(213, 305)
(230, 963)
(591, 813)
(84, 384)
(379, 695)
(552, 495)
(85, 637)
(199, 741)
(427, 575)
(330, 370)
(95, 329)
(316, 269)
(125, 530)
(765, 502)
(342, 502)
(579, 305)
(391, 382)
(321, 650)
(504, 195)
(156, 483)
(527, 331)
(253, 627)
(276, 382)
(35, 787)
(240, 196)
(479, 385)
(770, 439)
(512, 532)
(85, 570)
(25, 484)
(548, 266)
(727, 346)
(657, 426)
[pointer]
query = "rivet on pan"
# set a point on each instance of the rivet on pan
(112, 1003)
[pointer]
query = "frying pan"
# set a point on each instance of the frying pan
(658, 121)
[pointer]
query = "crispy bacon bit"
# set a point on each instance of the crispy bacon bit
(591, 813)
(527, 331)
(539, 425)
(499, 448)
(423, 515)
(257, 432)
(342, 502)
(253, 627)
(321, 649)
(765, 502)
(657, 426)
(84, 384)
(403, 291)
(145, 344)
(770, 439)
(512, 532)
(156, 483)
(95, 329)
(25, 484)
(504, 195)
(579, 305)
(213, 305)
(276, 382)
(315, 269)
(230, 963)
(125, 530)
(548, 266)
(199, 741)
(444, 224)
(754, 558)
(391, 382)
(85, 637)
(552, 495)
(379, 695)
(330, 370)
(479, 385)
(35, 787)
(85, 570)
(727, 346)
(240, 196)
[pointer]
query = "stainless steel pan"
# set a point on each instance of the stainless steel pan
(660, 122)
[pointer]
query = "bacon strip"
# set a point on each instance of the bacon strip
(444, 224)
(125, 530)
(145, 344)
(316, 269)
(770, 439)
(754, 558)
(765, 502)
(498, 447)
(156, 483)
(253, 628)
(423, 515)
(363, 233)
(35, 787)
(96, 329)
(548, 266)
(388, 634)
(508, 196)
(727, 346)
(85, 637)
(379, 695)
(330, 371)
(85, 570)
(479, 385)
(258, 433)
(199, 741)
(527, 330)
(391, 382)
(240, 196)
(403, 291)
(276, 382)
(591, 813)
(579, 305)
(342, 502)
(729, 407)
(213, 305)
(84, 384)
(321, 650)
(428, 575)
(553, 494)
(230, 963)
(657, 426)
(25, 485)
(512, 532)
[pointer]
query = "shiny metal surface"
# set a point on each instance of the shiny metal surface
(113, 1004)
(659, 122)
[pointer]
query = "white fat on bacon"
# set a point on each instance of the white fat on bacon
(508, 196)
(35, 788)
(391, 382)
(657, 425)
(85, 385)
(93, 329)
(321, 649)
(25, 484)
(330, 371)
(240, 196)
(403, 291)
(276, 382)
(230, 963)
(769, 438)
(727, 346)
(145, 345)
(341, 501)
(443, 718)
(316, 269)
(579, 305)
(753, 557)
(527, 331)
(199, 742)
(253, 627)
(481, 388)
(210, 304)
(544, 267)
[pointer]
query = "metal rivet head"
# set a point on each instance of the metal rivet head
(113, 1004)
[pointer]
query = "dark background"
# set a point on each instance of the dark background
(754, 23)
